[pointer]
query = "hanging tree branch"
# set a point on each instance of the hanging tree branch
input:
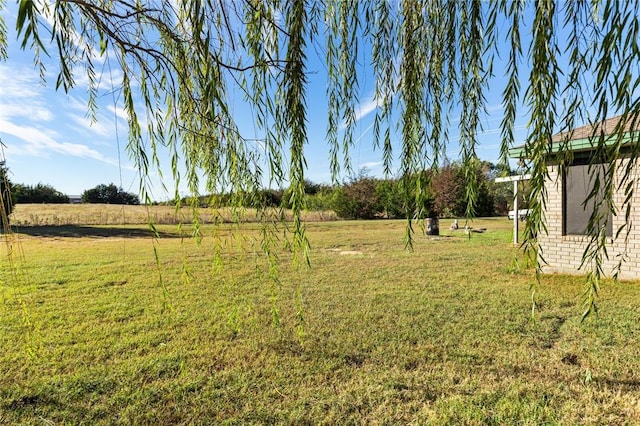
(182, 61)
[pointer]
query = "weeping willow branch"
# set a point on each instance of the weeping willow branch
(182, 64)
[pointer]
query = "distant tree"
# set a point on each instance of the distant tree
(321, 199)
(502, 193)
(268, 198)
(312, 188)
(315, 196)
(485, 172)
(109, 194)
(390, 198)
(40, 193)
(357, 199)
(485, 202)
(448, 187)
(6, 197)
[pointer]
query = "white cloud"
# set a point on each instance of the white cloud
(365, 108)
(371, 165)
(99, 127)
(28, 117)
(107, 80)
(41, 143)
(18, 81)
(119, 112)
(21, 95)
(371, 103)
(76, 103)
(33, 112)
(104, 126)
(494, 108)
(46, 7)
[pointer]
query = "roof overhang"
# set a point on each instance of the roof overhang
(579, 145)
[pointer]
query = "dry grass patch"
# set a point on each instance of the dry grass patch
(112, 214)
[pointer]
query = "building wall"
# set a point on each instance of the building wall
(563, 253)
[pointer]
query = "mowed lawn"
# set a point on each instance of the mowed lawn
(94, 330)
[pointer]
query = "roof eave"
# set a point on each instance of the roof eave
(577, 145)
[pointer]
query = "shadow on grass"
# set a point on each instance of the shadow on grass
(628, 385)
(76, 231)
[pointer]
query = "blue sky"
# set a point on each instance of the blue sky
(48, 137)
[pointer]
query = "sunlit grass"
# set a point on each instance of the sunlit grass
(441, 335)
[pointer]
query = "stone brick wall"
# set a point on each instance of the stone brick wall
(563, 253)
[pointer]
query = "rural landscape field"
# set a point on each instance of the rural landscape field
(103, 324)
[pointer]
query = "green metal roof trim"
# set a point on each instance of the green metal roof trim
(583, 138)
(585, 144)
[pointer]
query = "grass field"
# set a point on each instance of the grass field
(93, 332)
(113, 214)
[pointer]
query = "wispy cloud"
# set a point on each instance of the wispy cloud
(103, 126)
(493, 108)
(371, 102)
(99, 127)
(365, 108)
(371, 165)
(41, 143)
(118, 111)
(18, 82)
(108, 79)
(29, 119)
(21, 95)
(18, 110)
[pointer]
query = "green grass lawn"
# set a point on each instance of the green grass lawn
(93, 332)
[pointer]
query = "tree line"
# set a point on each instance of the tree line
(360, 197)
(44, 193)
(19, 193)
(366, 197)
